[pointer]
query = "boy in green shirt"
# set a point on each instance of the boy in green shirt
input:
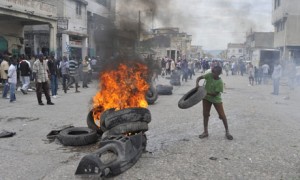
(213, 87)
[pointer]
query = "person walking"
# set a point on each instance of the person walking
(64, 68)
(25, 73)
(265, 69)
(251, 74)
(85, 72)
(74, 74)
(214, 87)
(276, 75)
(52, 65)
(4, 71)
(40, 75)
(12, 79)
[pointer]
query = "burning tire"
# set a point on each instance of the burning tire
(78, 136)
(91, 123)
(151, 95)
(124, 116)
(164, 89)
(192, 97)
(131, 127)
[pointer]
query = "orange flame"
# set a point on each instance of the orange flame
(122, 88)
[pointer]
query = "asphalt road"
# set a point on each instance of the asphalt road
(266, 131)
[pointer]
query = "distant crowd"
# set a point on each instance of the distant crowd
(45, 73)
(256, 75)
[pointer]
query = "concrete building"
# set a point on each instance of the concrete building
(101, 17)
(196, 52)
(235, 51)
(169, 41)
(72, 35)
(71, 31)
(14, 15)
(256, 41)
(286, 21)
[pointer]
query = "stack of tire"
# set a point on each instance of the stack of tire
(164, 89)
(175, 79)
(119, 122)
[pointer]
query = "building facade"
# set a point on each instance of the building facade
(236, 51)
(72, 36)
(286, 22)
(170, 42)
(15, 15)
(100, 25)
(256, 41)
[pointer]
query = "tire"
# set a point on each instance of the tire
(175, 82)
(126, 128)
(151, 95)
(103, 117)
(192, 97)
(164, 89)
(78, 136)
(91, 123)
(115, 118)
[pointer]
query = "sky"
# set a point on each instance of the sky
(215, 23)
(212, 23)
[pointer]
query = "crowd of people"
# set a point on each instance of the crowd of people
(257, 75)
(44, 74)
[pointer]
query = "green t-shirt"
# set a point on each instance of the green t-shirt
(213, 86)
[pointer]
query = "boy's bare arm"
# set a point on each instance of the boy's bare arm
(198, 79)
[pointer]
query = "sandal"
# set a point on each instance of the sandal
(203, 135)
(229, 136)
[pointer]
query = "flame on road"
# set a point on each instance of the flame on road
(122, 88)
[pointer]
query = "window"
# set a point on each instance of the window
(276, 4)
(78, 8)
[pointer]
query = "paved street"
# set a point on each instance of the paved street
(266, 131)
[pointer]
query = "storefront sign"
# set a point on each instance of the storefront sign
(76, 43)
(62, 24)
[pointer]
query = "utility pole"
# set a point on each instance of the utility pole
(139, 29)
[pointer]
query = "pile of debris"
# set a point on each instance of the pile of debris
(122, 142)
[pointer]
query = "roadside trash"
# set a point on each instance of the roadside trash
(4, 134)
(213, 158)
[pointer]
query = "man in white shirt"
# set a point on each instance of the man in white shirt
(276, 75)
(265, 69)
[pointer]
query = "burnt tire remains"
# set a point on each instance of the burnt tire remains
(77, 136)
(124, 116)
(192, 97)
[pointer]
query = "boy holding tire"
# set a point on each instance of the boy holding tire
(213, 87)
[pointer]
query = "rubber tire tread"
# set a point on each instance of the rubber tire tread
(79, 139)
(164, 89)
(126, 128)
(192, 97)
(151, 99)
(91, 123)
(123, 116)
